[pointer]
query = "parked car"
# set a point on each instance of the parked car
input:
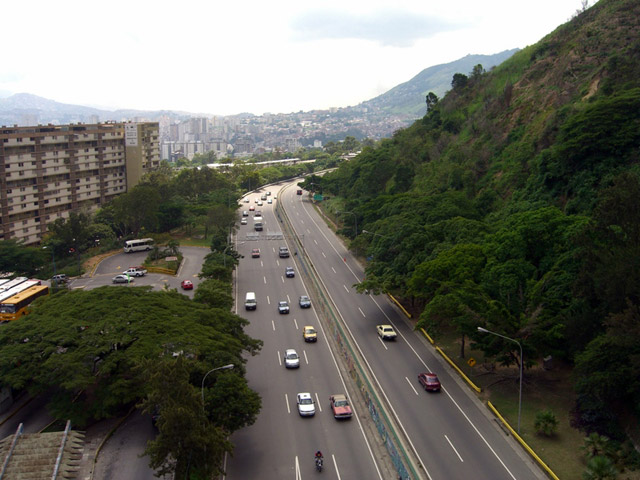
(187, 285)
(60, 278)
(135, 272)
(386, 332)
(340, 406)
(289, 272)
(309, 334)
(306, 406)
(305, 302)
(291, 358)
(429, 381)
(122, 279)
(283, 307)
(255, 253)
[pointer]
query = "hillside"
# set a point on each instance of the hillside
(408, 97)
(514, 204)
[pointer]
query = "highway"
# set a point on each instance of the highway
(281, 444)
(451, 432)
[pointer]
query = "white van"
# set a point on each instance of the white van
(250, 301)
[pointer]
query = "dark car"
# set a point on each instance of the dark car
(429, 382)
(289, 272)
(283, 307)
(305, 302)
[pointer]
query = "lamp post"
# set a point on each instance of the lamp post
(225, 367)
(354, 216)
(53, 260)
(374, 233)
(484, 330)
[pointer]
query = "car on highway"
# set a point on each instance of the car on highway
(291, 358)
(429, 382)
(243, 221)
(309, 334)
(260, 203)
(340, 406)
(122, 279)
(386, 332)
(245, 213)
(298, 192)
(257, 213)
(306, 406)
(255, 253)
(263, 196)
(268, 193)
(252, 208)
(270, 202)
(60, 278)
(246, 200)
(135, 272)
(186, 285)
(305, 301)
(289, 272)
(283, 252)
(283, 307)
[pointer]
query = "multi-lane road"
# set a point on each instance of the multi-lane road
(450, 433)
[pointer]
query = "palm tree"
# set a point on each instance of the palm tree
(600, 468)
(595, 445)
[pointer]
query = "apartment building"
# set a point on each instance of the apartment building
(46, 172)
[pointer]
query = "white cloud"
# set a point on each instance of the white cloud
(254, 56)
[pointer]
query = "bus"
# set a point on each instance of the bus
(138, 245)
(17, 289)
(12, 283)
(14, 307)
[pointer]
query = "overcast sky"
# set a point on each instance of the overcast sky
(227, 57)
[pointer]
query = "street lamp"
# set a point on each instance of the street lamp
(374, 233)
(53, 260)
(354, 216)
(225, 367)
(484, 330)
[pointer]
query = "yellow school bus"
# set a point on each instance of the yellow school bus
(14, 307)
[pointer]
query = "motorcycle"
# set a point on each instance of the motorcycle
(319, 464)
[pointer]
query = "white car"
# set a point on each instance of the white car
(122, 279)
(386, 332)
(270, 201)
(243, 221)
(283, 307)
(306, 407)
(135, 272)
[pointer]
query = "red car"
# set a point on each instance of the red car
(187, 285)
(340, 406)
(429, 381)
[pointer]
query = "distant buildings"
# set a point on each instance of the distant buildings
(46, 172)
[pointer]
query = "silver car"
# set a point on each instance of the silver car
(306, 407)
(122, 279)
(291, 358)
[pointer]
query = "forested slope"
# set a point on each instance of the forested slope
(514, 204)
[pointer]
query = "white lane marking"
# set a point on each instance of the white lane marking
(323, 254)
(382, 342)
(282, 278)
(273, 325)
(318, 403)
(279, 358)
(277, 262)
(362, 312)
(261, 264)
(298, 472)
(411, 385)
(335, 465)
(345, 287)
(454, 448)
(334, 270)
(295, 322)
(268, 300)
(305, 357)
(308, 231)
(315, 241)
(286, 400)
(288, 299)
(264, 279)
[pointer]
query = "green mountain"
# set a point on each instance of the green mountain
(409, 97)
(514, 205)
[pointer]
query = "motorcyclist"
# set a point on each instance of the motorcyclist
(319, 454)
(319, 460)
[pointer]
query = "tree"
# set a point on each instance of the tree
(22, 260)
(73, 232)
(595, 445)
(432, 101)
(459, 81)
(477, 72)
(546, 423)
(600, 468)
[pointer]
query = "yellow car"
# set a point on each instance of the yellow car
(309, 334)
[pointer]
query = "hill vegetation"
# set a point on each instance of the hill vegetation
(514, 205)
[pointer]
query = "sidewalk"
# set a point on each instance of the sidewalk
(94, 437)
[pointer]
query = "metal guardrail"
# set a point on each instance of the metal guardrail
(406, 467)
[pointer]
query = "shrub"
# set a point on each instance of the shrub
(546, 423)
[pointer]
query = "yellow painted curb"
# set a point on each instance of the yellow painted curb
(424, 332)
(473, 385)
(399, 306)
(522, 442)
